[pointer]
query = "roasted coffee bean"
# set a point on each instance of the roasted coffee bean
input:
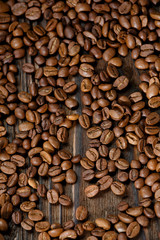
(42, 226)
(27, 206)
(17, 217)
(110, 234)
(84, 121)
(125, 218)
(86, 70)
(8, 167)
(88, 175)
(35, 215)
(3, 225)
(81, 213)
(33, 13)
(118, 188)
(64, 200)
(68, 233)
(107, 136)
(123, 206)
(94, 132)
(27, 224)
(103, 223)
(121, 82)
(44, 235)
(133, 230)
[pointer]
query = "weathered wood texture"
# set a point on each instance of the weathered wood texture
(106, 202)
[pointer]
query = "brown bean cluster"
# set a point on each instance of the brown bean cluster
(60, 40)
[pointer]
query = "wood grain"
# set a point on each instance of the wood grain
(106, 202)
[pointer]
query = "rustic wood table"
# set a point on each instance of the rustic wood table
(106, 202)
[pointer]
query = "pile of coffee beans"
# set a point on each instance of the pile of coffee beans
(52, 42)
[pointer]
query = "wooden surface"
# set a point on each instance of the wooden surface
(106, 202)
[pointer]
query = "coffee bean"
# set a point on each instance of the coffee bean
(86, 70)
(110, 234)
(103, 223)
(141, 64)
(24, 192)
(121, 82)
(118, 188)
(19, 9)
(107, 136)
(35, 215)
(94, 132)
(65, 200)
(124, 8)
(68, 233)
(143, 220)
(109, 54)
(27, 206)
(81, 213)
(88, 175)
(71, 176)
(27, 224)
(70, 87)
(92, 154)
(105, 182)
(28, 68)
(114, 153)
(42, 226)
(17, 217)
(136, 211)
(44, 235)
(157, 209)
(53, 45)
(55, 232)
(3, 225)
(91, 191)
(84, 121)
(154, 102)
(33, 13)
(8, 167)
(133, 230)
(123, 206)
(125, 218)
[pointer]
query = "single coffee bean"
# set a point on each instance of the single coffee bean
(121, 82)
(42, 226)
(105, 182)
(133, 229)
(17, 217)
(91, 191)
(110, 235)
(35, 215)
(33, 13)
(107, 136)
(44, 235)
(94, 132)
(8, 167)
(123, 206)
(103, 223)
(52, 196)
(81, 213)
(118, 188)
(84, 121)
(157, 209)
(65, 200)
(68, 233)
(3, 225)
(27, 224)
